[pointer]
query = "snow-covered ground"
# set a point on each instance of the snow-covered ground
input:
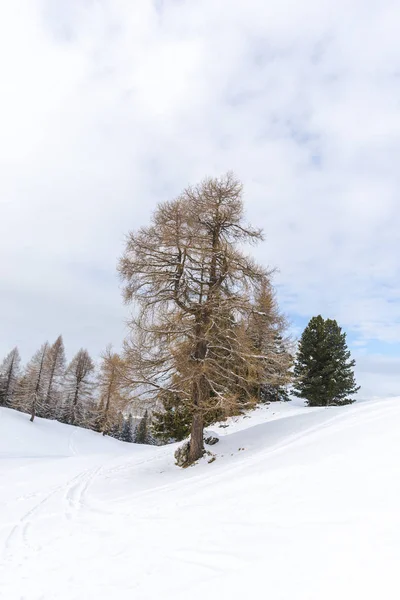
(300, 504)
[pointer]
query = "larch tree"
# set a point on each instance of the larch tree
(324, 370)
(117, 428)
(282, 359)
(267, 327)
(192, 286)
(9, 374)
(55, 366)
(31, 392)
(79, 387)
(113, 399)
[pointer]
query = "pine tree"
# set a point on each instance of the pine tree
(127, 433)
(9, 374)
(55, 367)
(324, 371)
(117, 427)
(142, 432)
(172, 421)
(79, 387)
(266, 328)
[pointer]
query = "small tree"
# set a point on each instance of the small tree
(172, 421)
(324, 371)
(142, 433)
(9, 374)
(117, 427)
(128, 434)
(31, 391)
(79, 387)
(266, 328)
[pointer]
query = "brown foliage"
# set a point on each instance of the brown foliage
(113, 399)
(193, 289)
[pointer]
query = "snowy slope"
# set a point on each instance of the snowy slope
(20, 438)
(299, 504)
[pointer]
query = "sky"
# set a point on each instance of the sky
(108, 107)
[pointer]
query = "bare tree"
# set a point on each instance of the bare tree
(78, 388)
(142, 432)
(9, 373)
(267, 328)
(31, 391)
(193, 288)
(113, 399)
(55, 366)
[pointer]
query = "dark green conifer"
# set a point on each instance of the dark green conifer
(173, 422)
(142, 433)
(324, 370)
(127, 433)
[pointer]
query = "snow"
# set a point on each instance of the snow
(299, 504)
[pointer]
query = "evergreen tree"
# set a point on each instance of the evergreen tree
(142, 433)
(9, 374)
(79, 387)
(173, 422)
(90, 411)
(127, 433)
(324, 371)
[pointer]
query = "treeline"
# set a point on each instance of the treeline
(76, 393)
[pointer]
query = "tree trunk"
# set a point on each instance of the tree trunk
(33, 411)
(196, 450)
(201, 389)
(199, 397)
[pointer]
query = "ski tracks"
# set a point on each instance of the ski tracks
(20, 543)
(76, 494)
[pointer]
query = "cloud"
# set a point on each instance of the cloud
(378, 375)
(110, 106)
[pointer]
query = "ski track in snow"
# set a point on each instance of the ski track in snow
(18, 537)
(76, 493)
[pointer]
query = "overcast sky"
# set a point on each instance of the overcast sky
(110, 106)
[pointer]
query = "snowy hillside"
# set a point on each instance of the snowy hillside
(300, 504)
